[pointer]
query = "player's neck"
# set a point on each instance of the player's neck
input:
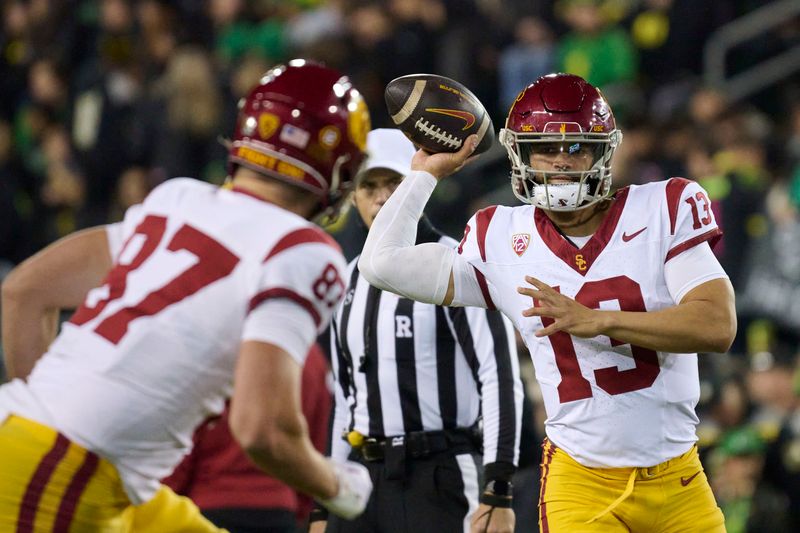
(271, 191)
(580, 223)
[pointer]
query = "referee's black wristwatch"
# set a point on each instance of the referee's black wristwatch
(498, 494)
(318, 513)
(499, 491)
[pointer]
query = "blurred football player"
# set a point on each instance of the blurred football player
(613, 293)
(199, 294)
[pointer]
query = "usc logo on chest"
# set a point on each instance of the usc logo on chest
(580, 262)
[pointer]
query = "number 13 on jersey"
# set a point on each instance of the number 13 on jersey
(573, 385)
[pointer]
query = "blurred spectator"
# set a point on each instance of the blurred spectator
(369, 56)
(770, 383)
(737, 467)
(63, 192)
(317, 25)
(157, 25)
(736, 180)
(733, 406)
(183, 116)
(636, 159)
(16, 53)
(782, 468)
(530, 56)
(250, 27)
(15, 206)
(770, 282)
(133, 186)
(103, 124)
(598, 51)
(666, 34)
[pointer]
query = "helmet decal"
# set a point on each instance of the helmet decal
(329, 137)
(267, 124)
(297, 137)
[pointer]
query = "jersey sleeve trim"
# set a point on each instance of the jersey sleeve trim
(280, 292)
(712, 236)
(482, 220)
(674, 190)
(302, 236)
(484, 289)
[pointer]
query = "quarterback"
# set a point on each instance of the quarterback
(200, 293)
(613, 293)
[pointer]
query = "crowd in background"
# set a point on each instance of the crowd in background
(101, 100)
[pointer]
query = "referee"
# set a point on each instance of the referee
(413, 383)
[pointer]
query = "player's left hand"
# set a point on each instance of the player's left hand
(487, 519)
(567, 314)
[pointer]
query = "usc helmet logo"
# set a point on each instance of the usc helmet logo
(267, 124)
(580, 262)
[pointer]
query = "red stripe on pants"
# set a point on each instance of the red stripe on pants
(66, 509)
(547, 451)
(37, 484)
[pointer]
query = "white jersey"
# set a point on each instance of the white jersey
(151, 353)
(608, 404)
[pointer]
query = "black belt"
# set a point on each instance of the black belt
(420, 444)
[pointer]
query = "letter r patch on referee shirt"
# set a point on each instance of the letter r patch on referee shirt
(402, 327)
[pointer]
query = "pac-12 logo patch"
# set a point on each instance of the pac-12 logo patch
(520, 242)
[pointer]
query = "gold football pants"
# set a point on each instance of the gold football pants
(672, 497)
(50, 484)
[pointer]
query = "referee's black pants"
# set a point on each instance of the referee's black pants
(434, 494)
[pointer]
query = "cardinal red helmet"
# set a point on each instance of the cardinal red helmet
(566, 110)
(304, 124)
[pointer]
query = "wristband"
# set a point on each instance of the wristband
(498, 493)
(318, 514)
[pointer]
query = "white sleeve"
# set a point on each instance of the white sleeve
(390, 261)
(467, 288)
(283, 323)
(308, 276)
(471, 288)
(691, 268)
(690, 217)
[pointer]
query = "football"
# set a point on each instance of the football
(437, 114)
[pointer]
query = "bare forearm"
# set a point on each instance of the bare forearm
(697, 326)
(56, 278)
(292, 459)
(27, 332)
(267, 421)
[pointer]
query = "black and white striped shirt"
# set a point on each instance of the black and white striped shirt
(403, 366)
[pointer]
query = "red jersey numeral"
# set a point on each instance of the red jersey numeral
(329, 287)
(214, 262)
(573, 385)
(698, 222)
